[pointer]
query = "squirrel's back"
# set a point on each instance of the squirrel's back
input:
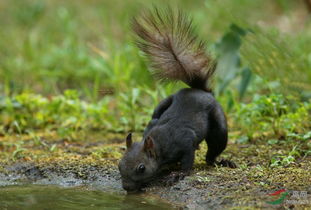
(175, 52)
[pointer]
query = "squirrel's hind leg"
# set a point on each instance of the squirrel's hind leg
(217, 134)
(217, 137)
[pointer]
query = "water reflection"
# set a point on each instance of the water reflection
(52, 197)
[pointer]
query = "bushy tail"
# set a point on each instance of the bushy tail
(175, 52)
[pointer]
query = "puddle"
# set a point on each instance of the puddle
(53, 197)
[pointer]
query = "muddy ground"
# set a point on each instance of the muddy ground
(46, 159)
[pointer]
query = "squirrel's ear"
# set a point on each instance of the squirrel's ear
(149, 146)
(129, 141)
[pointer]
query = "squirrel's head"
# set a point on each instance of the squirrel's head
(138, 165)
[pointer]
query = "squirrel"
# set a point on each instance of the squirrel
(183, 120)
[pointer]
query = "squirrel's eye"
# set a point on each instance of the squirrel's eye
(141, 168)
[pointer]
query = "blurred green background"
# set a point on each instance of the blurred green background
(48, 46)
(73, 64)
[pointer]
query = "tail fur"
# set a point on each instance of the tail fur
(175, 52)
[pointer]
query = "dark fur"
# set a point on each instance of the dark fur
(183, 120)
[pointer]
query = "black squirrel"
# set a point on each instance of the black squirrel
(181, 121)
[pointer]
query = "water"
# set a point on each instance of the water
(52, 197)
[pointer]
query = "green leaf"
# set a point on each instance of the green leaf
(229, 63)
(245, 81)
